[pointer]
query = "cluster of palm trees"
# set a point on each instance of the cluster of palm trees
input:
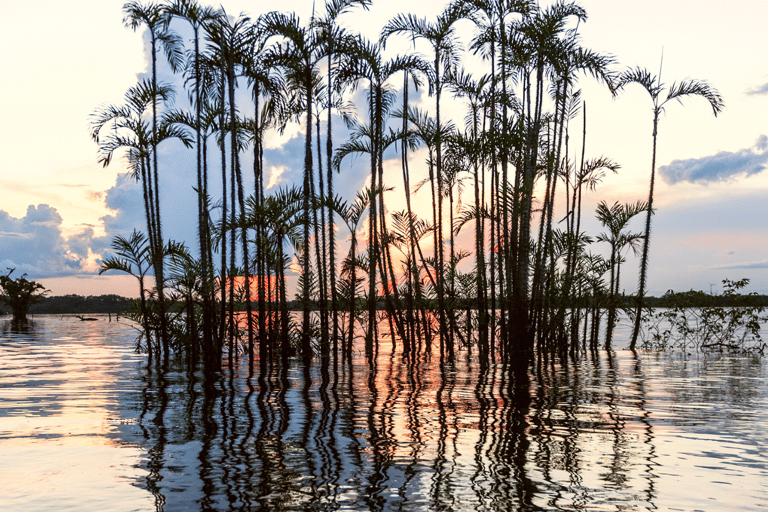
(529, 286)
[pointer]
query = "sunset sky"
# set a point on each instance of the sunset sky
(59, 208)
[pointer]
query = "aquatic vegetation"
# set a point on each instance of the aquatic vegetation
(531, 287)
(732, 325)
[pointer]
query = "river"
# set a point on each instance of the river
(85, 425)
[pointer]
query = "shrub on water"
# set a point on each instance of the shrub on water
(727, 322)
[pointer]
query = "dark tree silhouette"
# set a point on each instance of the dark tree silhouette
(677, 91)
(20, 294)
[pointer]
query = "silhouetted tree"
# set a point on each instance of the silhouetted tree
(20, 294)
(677, 91)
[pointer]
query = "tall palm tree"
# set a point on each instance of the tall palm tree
(677, 91)
(265, 83)
(414, 296)
(197, 16)
(534, 50)
(123, 127)
(151, 15)
(365, 62)
(465, 86)
(572, 59)
(334, 41)
(232, 40)
(490, 17)
(442, 37)
(132, 256)
(207, 124)
(117, 127)
(298, 53)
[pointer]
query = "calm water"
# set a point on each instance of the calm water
(85, 426)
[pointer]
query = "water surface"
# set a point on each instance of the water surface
(85, 425)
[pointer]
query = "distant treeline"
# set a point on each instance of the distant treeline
(77, 304)
(695, 298)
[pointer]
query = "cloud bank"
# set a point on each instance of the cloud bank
(722, 166)
(34, 245)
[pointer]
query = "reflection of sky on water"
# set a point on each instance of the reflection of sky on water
(40, 475)
(654, 432)
(60, 417)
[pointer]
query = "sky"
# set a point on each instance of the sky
(59, 208)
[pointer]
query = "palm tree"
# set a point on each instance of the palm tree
(184, 279)
(298, 53)
(232, 40)
(490, 17)
(365, 62)
(133, 257)
(123, 127)
(278, 216)
(414, 284)
(464, 86)
(534, 50)
(206, 124)
(422, 128)
(364, 140)
(571, 58)
(197, 16)
(441, 35)
(677, 91)
(264, 82)
(334, 41)
(591, 269)
(351, 214)
(136, 15)
(616, 218)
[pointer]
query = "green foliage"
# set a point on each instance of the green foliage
(695, 320)
(20, 294)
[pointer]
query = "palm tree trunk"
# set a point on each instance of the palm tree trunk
(331, 232)
(440, 255)
(372, 238)
(352, 302)
(201, 204)
(306, 348)
(224, 211)
(505, 271)
(322, 259)
(234, 154)
(158, 248)
(644, 258)
(261, 242)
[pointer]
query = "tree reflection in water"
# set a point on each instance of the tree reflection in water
(401, 433)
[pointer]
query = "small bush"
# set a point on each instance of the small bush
(683, 326)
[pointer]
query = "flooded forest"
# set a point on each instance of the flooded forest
(301, 272)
